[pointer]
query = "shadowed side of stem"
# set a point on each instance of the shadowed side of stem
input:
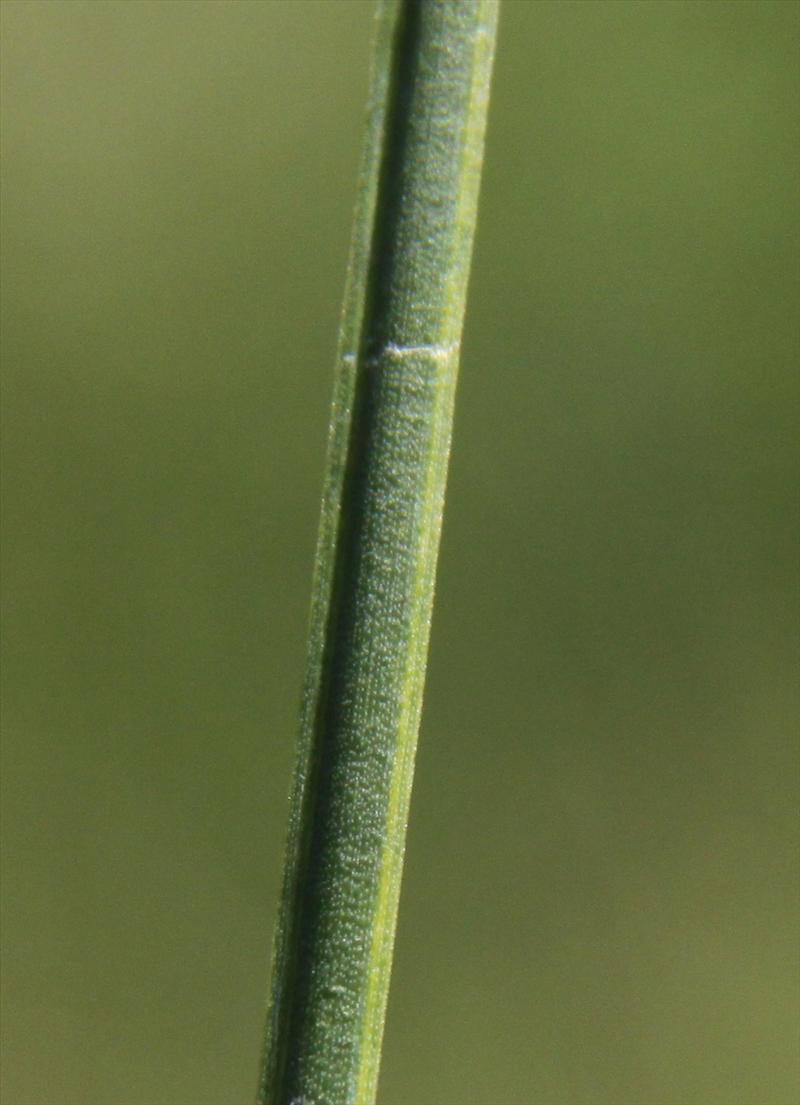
(376, 556)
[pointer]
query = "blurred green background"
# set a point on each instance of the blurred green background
(601, 898)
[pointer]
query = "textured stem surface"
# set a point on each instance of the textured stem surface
(376, 556)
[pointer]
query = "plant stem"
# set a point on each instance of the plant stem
(378, 543)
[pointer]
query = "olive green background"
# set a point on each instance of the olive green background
(600, 905)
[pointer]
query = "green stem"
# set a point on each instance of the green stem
(376, 557)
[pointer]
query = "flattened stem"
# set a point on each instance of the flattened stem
(376, 556)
